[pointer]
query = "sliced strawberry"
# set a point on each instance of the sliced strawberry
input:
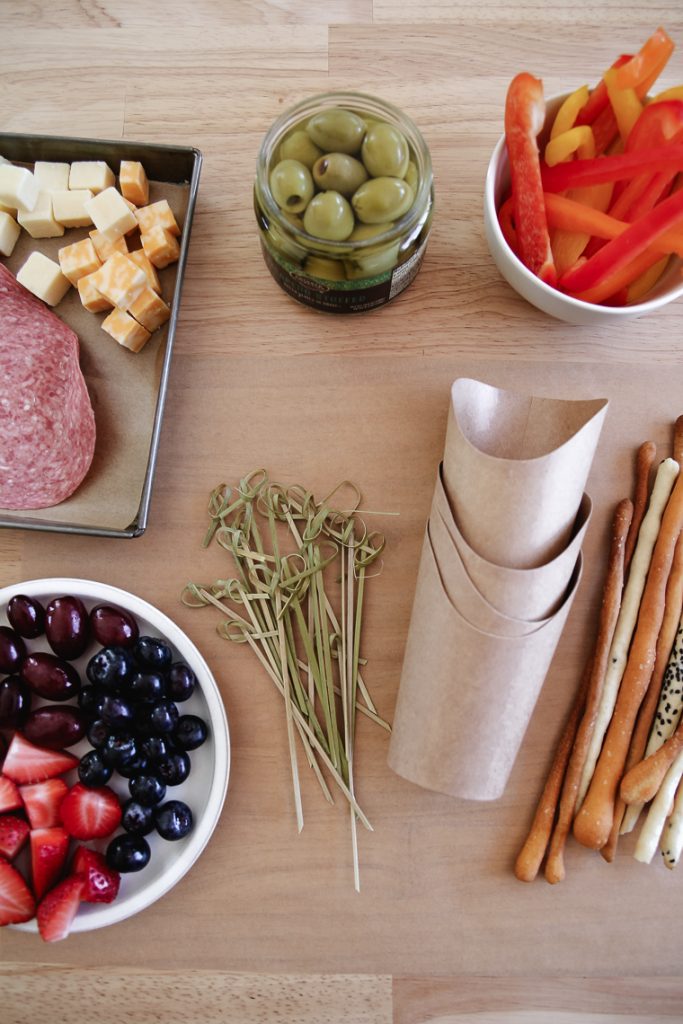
(101, 882)
(27, 763)
(57, 910)
(10, 800)
(90, 813)
(42, 801)
(13, 834)
(49, 849)
(16, 899)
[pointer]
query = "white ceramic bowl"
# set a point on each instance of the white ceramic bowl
(550, 300)
(204, 791)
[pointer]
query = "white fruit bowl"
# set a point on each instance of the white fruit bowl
(205, 789)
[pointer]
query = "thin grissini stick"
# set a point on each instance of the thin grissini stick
(531, 855)
(647, 454)
(651, 831)
(609, 613)
(664, 699)
(678, 440)
(642, 782)
(594, 821)
(671, 843)
(628, 614)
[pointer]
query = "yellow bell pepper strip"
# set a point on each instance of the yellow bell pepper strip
(621, 251)
(575, 140)
(566, 213)
(612, 168)
(599, 100)
(650, 60)
(643, 284)
(625, 103)
(615, 283)
(566, 116)
(568, 245)
(524, 119)
(669, 94)
(505, 219)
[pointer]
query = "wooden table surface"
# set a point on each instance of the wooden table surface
(267, 926)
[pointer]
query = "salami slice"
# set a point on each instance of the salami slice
(47, 425)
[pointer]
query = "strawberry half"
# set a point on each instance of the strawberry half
(57, 910)
(42, 801)
(101, 882)
(10, 800)
(27, 763)
(16, 899)
(90, 813)
(13, 834)
(49, 849)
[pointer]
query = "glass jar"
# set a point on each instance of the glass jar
(355, 274)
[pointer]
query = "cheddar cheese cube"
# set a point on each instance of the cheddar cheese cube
(133, 182)
(111, 214)
(51, 177)
(42, 276)
(9, 233)
(104, 248)
(91, 299)
(95, 175)
(157, 214)
(120, 280)
(40, 221)
(78, 260)
(127, 331)
(69, 208)
(18, 188)
(141, 259)
(161, 248)
(150, 310)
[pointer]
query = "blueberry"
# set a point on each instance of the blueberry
(147, 686)
(163, 717)
(120, 749)
(135, 766)
(116, 712)
(173, 819)
(93, 771)
(151, 653)
(147, 789)
(98, 733)
(90, 700)
(180, 681)
(110, 668)
(190, 732)
(173, 769)
(128, 853)
(156, 748)
(137, 818)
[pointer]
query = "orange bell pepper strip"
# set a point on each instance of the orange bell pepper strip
(643, 284)
(650, 59)
(569, 215)
(615, 283)
(612, 168)
(569, 244)
(524, 119)
(566, 116)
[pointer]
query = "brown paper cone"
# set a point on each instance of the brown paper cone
(465, 697)
(515, 468)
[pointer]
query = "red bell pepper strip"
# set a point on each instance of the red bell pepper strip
(659, 123)
(621, 251)
(505, 219)
(657, 189)
(612, 168)
(599, 100)
(524, 119)
(652, 57)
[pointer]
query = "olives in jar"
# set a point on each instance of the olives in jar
(385, 151)
(329, 216)
(339, 172)
(336, 130)
(292, 185)
(67, 626)
(382, 199)
(300, 146)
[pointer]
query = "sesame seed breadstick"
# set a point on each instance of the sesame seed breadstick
(678, 440)
(593, 823)
(671, 843)
(609, 612)
(651, 831)
(645, 458)
(628, 614)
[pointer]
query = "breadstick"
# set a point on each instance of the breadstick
(645, 458)
(678, 440)
(594, 821)
(671, 843)
(609, 612)
(641, 782)
(628, 613)
(530, 856)
(651, 831)
(658, 698)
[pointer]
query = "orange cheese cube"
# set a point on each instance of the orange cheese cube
(133, 182)
(91, 299)
(104, 248)
(78, 260)
(127, 331)
(161, 248)
(157, 214)
(150, 310)
(152, 277)
(120, 280)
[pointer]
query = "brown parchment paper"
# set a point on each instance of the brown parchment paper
(515, 469)
(123, 388)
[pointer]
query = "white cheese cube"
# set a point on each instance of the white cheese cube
(104, 248)
(42, 276)
(110, 214)
(127, 331)
(120, 280)
(18, 187)
(9, 232)
(92, 174)
(51, 177)
(69, 208)
(40, 221)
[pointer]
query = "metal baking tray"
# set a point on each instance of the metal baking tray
(176, 166)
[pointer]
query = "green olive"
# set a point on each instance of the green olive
(362, 232)
(329, 216)
(292, 185)
(376, 262)
(299, 146)
(337, 130)
(329, 270)
(385, 151)
(340, 173)
(411, 176)
(382, 199)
